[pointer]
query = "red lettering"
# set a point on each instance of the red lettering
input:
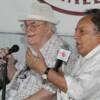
(85, 2)
(77, 1)
(69, 1)
(96, 1)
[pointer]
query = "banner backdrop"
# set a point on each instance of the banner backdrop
(67, 11)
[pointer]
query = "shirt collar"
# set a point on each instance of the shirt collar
(93, 52)
(48, 42)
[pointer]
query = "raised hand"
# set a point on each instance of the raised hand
(10, 60)
(36, 63)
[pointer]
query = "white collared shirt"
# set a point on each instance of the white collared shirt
(84, 81)
(26, 83)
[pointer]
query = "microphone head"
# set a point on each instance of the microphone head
(63, 55)
(13, 49)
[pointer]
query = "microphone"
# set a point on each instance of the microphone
(13, 49)
(62, 56)
(5, 79)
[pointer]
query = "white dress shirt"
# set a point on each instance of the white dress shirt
(84, 81)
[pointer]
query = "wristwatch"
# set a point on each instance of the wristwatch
(44, 76)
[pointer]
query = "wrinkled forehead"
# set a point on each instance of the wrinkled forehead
(85, 21)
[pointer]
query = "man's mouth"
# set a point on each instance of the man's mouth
(78, 45)
(31, 35)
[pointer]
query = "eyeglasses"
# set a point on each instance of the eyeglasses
(34, 24)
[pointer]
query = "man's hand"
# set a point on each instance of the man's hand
(10, 60)
(35, 62)
(42, 94)
(11, 67)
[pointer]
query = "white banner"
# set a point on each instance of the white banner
(67, 11)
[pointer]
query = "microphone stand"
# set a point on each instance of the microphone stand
(13, 49)
(4, 80)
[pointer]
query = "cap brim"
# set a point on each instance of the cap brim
(34, 17)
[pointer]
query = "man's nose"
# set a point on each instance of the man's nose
(77, 35)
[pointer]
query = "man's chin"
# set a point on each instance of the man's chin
(82, 53)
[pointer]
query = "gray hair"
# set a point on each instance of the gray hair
(53, 27)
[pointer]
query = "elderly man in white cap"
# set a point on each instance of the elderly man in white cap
(40, 31)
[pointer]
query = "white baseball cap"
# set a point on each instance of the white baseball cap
(41, 11)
